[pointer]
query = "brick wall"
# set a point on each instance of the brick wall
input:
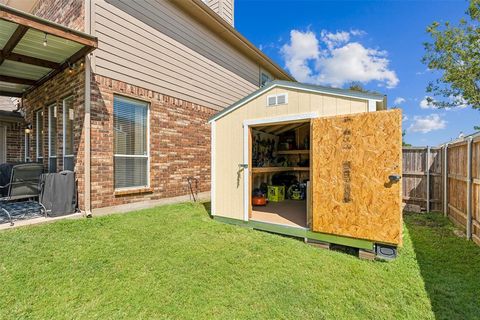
(15, 140)
(179, 144)
(179, 137)
(50, 93)
(179, 132)
(69, 13)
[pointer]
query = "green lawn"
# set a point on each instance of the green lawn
(175, 262)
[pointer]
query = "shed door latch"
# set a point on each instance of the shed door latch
(243, 165)
(394, 178)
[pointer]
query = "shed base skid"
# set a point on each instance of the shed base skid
(302, 233)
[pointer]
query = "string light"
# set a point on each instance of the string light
(28, 128)
(70, 68)
(45, 40)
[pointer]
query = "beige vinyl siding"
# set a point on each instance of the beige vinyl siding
(165, 57)
(224, 8)
(229, 138)
(228, 11)
(167, 51)
(213, 4)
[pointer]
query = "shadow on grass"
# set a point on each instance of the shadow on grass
(449, 265)
(208, 208)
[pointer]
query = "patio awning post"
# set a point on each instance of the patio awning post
(87, 118)
(87, 200)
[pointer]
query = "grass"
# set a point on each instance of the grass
(449, 265)
(175, 262)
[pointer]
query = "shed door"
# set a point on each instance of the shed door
(353, 157)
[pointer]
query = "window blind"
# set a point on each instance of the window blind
(130, 121)
(68, 143)
(52, 138)
(39, 134)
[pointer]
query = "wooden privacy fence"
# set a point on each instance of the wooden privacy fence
(445, 179)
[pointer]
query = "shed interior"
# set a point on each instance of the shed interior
(280, 161)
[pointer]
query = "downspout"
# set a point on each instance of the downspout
(86, 120)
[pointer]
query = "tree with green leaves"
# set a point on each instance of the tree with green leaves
(455, 52)
(357, 86)
(404, 144)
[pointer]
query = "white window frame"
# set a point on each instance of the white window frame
(26, 143)
(54, 105)
(39, 128)
(135, 156)
(276, 99)
(65, 117)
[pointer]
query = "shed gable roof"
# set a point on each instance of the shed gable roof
(297, 86)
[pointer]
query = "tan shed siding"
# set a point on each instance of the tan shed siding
(229, 138)
(166, 51)
(229, 154)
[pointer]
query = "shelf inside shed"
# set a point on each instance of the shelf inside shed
(280, 157)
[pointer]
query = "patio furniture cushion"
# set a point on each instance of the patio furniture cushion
(10, 211)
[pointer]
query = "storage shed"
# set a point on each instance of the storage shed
(310, 161)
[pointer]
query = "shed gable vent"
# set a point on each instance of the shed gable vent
(277, 99)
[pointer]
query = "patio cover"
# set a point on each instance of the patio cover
(33, 50)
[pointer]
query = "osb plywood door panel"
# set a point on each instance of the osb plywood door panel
(353, 157)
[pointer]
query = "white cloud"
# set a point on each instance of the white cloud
(267, 46)
(333, 40)
(354, 62)
(404, 118)
(399, 100)
(303, 47)
(460, 101)
(427, 123)
(335, 60)
(425, 104)
(357, 33)
(419, 73)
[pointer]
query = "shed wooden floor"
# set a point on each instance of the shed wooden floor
(287, 212)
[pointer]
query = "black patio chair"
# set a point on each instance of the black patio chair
(24, 185)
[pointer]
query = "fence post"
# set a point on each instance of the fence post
(469, 188)
(445, 180)
(427, 168)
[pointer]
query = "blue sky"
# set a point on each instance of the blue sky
(376, 42)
